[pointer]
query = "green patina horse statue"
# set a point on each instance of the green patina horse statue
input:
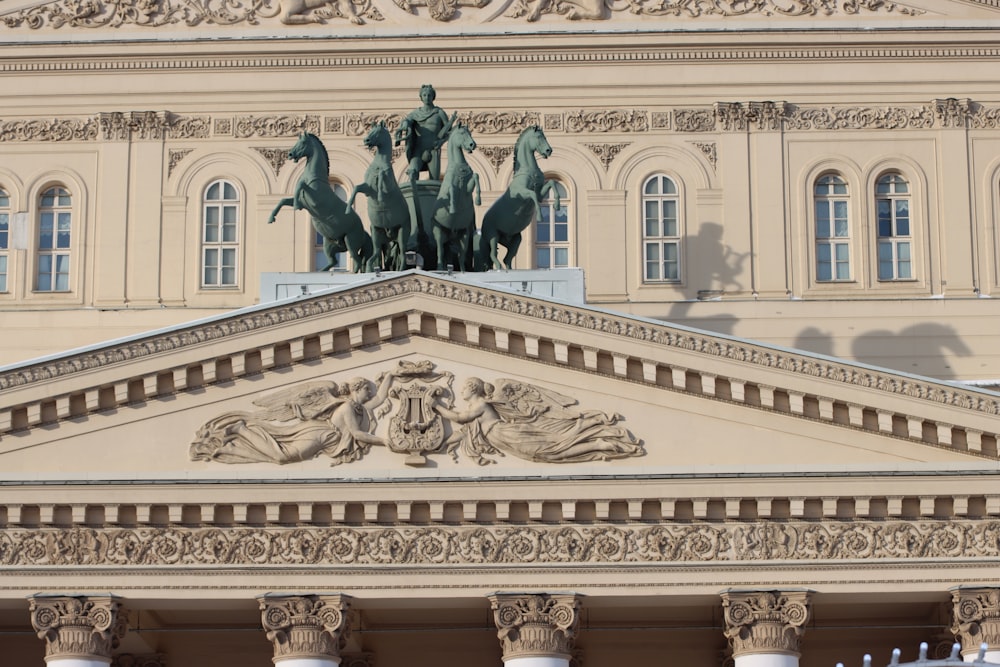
(519, 206)
(454, 220)
(388, 212)
(336, 222)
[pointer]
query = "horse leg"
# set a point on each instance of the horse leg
(379, 250)
(287, 201)
(362, 188)
(512, 247)
(551, 186)
(440, 236)
(402, 238)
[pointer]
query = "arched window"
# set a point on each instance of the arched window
(895, 239)
(833, 229)
(553, 249)
(4, 237)
(661, 232)
(220, 235)
(319, 259)
(55, 229)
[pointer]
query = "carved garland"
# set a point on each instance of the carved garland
(575, 317)
(663, 543)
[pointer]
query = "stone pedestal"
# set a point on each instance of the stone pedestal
(306, 630)
(764, 627)
(78, 631)
(976, 621)
(422, 200)
(536, 630)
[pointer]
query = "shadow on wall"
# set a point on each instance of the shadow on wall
(723, 323)
(923, 348)
(718, 266)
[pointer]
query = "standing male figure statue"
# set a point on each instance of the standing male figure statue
(425, 130)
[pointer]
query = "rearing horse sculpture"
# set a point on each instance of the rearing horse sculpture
(519, 206)
(337, 223)
(454, 220)
(387, 210)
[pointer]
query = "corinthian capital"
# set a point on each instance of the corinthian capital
(765, 621)
(536, 625)
(976, 617)
(305, 626)
(85, 628)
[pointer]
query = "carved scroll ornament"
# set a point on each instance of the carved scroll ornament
(767, 621)
(532, 10)
(75, 627)
(536, 625)
(305, 626)
(339, 422)
(976, 614)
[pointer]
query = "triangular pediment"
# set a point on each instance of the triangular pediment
(566, 389)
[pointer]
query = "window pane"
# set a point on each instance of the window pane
(543, 233)
(3, 273)
(562, 232)
(902, 217)
(884, 218)
(652, 187)
(668, 186)
(670, 218)
(823, 271)
(4, 199)
(213, 191)
(4, 231)
(62, 282)
(652, 219)
(843, 252)
(822, 221)
(230, 192)
(44, 281)
(883, 186)
(562, 257)
(542, 258)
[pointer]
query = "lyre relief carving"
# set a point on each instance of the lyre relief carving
(339, 421)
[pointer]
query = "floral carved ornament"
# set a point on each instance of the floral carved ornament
(415, 404)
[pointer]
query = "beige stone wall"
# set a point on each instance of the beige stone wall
(742, 113)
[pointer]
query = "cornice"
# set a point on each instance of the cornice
(734, 386)
(690, 53)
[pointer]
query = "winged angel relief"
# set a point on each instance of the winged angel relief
(342, 422)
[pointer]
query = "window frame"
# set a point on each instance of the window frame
(894, 241)
(661, 241)
(832, 240)
(553, 245)
(220, 244)
(6, 221)
(50, 254)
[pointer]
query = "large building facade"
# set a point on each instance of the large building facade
(745, 444)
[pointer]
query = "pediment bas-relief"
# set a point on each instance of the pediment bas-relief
(354, 15)
(412, 411)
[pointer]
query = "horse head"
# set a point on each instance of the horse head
(301, 148)
(378, 136)
(462, 137)
(537, 141)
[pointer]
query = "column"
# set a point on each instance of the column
(307, 630)
(976, 621)
(764, 627)
(78, 631)
(536, 630)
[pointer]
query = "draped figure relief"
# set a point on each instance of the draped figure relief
(341, 422)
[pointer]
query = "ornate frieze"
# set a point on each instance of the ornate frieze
(274, 126)
(323, 418)
(333, 125)
(77, 627)
(765, 621)
(606, 152)
(984, 118)
(694, 120)
(428, 545)
(358, 124)
(859, 118)
(660, 120)
(305, 626)
(499, 122)
(607, 120)
(675, 9)
(536, 625)
(56, 129)
(189, 127)
(976, 617)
